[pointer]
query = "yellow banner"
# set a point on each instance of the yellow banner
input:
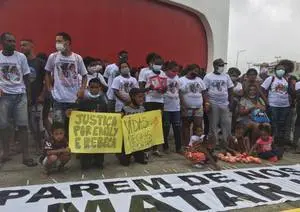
(142, 130)
(95, 132)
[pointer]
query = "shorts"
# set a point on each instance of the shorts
(190, 113)
(13, 106)
(55, 164)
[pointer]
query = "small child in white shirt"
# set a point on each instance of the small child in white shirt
(200, 150)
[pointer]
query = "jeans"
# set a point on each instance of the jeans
(14, 105)
(279, 121)
(290, 126)
(172, 118)
(220, 115)
(59, 113)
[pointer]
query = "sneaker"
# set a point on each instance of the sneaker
(147, 155)
(198, 166)
(157, 153)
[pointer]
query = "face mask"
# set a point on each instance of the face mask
(125, 71)
(156, 68)
(234, 79)
(220, 69)
(93, 96)
(280, 73)
(60, 47)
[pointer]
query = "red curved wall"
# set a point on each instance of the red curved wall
(101, 28)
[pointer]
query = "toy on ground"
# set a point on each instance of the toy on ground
(242, 158)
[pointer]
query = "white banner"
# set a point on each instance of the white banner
(199, 191)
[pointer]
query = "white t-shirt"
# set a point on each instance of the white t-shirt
(123, 85)
(110, 73)
(195, 139)
(65, 70)
(97, 75)
(238, 88)
(171, 97)
(142, 75)
(152, 95)
(278, 92)
(191, 90)
(218, 86)
(297, 86)
(12, 70)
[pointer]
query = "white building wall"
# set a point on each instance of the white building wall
(214, 14)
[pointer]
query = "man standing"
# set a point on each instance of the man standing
(111, 71)
(220, 88)
(14, 82)
(62, 77)
(37, 90)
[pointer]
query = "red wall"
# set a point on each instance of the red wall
(101, 28)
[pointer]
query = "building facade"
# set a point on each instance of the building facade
(188, 31)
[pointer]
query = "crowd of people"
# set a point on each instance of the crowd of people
(253, 112)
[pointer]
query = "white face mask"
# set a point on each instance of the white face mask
(93, 96)
(60, 47)
(220, 69)
(157, 68)
(94, 69)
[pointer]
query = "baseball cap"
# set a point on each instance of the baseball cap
(219, 62)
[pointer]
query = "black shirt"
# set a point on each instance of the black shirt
(37, 74)
(98, 104)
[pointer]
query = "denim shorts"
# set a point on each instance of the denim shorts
(13, 106)
(197, 112)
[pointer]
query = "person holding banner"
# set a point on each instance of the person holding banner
(95, 101)
(136, 106)
(122, 85)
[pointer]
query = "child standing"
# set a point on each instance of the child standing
(121, 86)
(264, 145)
(95, 101)
(56, 152)
(136, 106)
(171, 114)
(156, 82)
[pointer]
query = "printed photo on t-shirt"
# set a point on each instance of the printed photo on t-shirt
(219, 85)
(280, 88)
(67, 73)
(10, 73)
(127, 86)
